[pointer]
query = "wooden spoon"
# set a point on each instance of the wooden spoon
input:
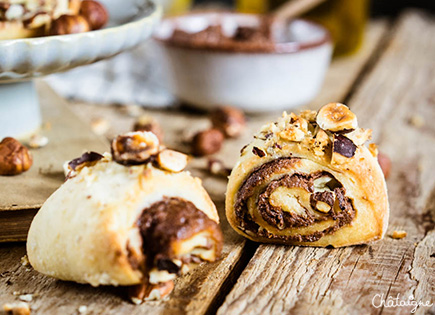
(287, 11)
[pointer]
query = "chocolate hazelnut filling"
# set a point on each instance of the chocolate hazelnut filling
(292, 201)
(214, 37)
(175, 234)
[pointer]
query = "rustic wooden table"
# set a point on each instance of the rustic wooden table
(390, 84)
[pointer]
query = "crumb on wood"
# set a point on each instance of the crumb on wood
(26, 297)
(131, 110)
(417, 120)
(217, 167)
(46, 125)
(100, 125)
(37, 141)
(399, 234)
(83, 309)
(25, 261)
(20, 308)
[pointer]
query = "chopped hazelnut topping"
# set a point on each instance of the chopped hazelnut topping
(336, 117)
(292, 133)
(360, 136)
(321, 142)
(172, 161)
(309, 115)
(134, 147)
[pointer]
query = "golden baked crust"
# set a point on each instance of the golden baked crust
(92, 229)
(264, 206)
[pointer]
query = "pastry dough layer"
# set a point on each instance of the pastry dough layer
(258, 208)
(87, 230)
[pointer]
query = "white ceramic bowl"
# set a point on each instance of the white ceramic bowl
(253, 81)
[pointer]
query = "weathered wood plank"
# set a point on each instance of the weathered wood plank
(196, 292)
(21, 196)
(30, 189)
(344, 281)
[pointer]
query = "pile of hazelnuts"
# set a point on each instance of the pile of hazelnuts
(91, 16)
(226, 122)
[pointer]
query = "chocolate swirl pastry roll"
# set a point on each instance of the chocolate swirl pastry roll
(309, 180)
(130, 218)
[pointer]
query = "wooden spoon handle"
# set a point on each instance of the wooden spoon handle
(295, 8)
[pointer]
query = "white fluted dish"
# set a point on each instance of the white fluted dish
(22, 59)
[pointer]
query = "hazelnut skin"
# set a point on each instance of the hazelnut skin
(95, 13)
(385, 163)
(69, 24)
(14, 157)
(207, 142)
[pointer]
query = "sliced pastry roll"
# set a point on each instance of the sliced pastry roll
(309, 180)
(130, 218)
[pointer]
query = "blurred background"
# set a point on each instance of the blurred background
(140, 74)
(377, 7)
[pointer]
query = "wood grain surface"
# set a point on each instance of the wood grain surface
(299, 280)
(259, 279)
(22, 195)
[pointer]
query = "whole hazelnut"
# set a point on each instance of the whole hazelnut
(95, 13)
(385, 163)
(207, 142)
(231, 121)
(14, 157)
(69, 24)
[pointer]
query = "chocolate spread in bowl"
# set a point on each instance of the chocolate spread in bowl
(233, 32)
(244, 38)
(281, 219)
